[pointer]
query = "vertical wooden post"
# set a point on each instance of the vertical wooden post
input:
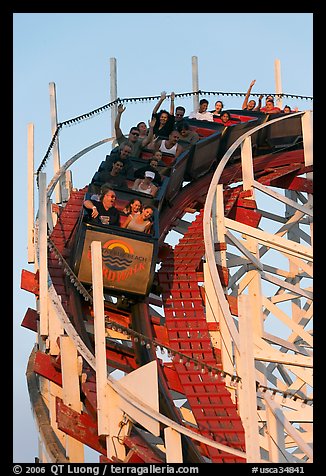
(30, 194)
(195, 82)
(278, 83)
(55, 330)
(247, 393)
(71, 392)
(50, 393)
(173, 446)
(99, 336)
(113, 94)
(247, 165)
(43, 257)
(307, 135)
(56, 154)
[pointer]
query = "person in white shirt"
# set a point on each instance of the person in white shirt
(170, 146)
(202, 114)
(145, 185)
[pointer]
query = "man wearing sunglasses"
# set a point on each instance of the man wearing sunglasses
(133, 137)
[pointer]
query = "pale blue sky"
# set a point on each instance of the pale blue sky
(153, 53)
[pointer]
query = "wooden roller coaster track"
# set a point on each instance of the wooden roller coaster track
(219, 385)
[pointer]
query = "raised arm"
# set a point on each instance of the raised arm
(245, 102)
(136, 183)
(257, 108)
(157, 145)
(118, 131)
(150, 134)
(156, 108)
(172, 103)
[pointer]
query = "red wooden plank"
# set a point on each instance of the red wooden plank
(233, 304)
(80, 426)
(30, 281)
(89, 390)
(245, 216)
(213, 326)
(30, 320)
(104, 459)
(161, 334)
(120, 361)
(44, 364)
(289, 182)
(142, 449)
(223, 273)
(172, 377)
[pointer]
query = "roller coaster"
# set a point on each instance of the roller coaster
(197, 352)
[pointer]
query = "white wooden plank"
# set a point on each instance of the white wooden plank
(99, 337)
(43, 258)
(272, 241)
(173, 446)
(247, 391)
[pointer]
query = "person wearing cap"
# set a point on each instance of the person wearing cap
(145, 185)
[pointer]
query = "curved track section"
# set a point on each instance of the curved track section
(188, 339)
(264, 304)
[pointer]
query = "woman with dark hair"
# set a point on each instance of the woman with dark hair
(134, 207)
(225, 119)
(218, 109)
(164, 124)
(250, 105)
(142, 222)
(164, 120)
(287, 109)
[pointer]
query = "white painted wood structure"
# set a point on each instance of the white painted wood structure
(271, 276)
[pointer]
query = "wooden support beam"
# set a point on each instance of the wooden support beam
(30, 320)
(30, 282)
(99, 336)
(43, 257)
(247, 393)
(173, 446)
(80, 426)
(71, 392)
(44, 365)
